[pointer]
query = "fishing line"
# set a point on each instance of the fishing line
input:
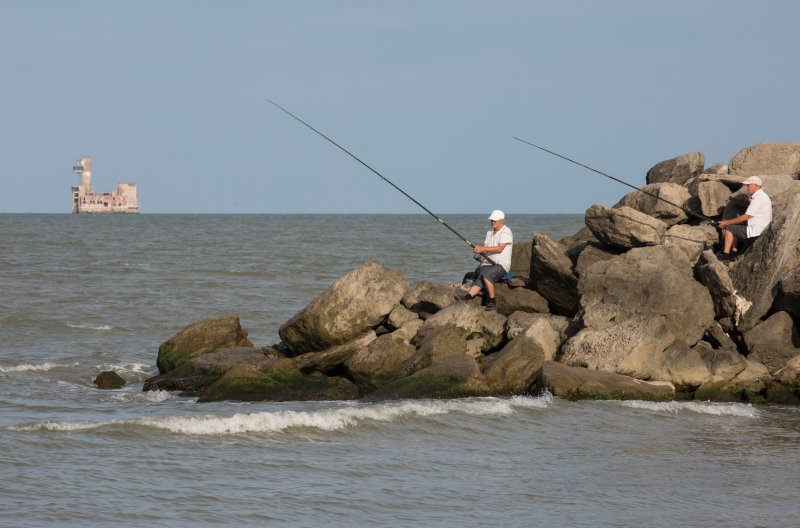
(382, 177)
(684, 209)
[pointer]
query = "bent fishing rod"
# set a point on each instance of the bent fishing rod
(381, 176)
(684, 209)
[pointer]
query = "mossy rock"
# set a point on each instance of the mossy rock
(279, 384)
(186, 378)
(781, 393)
(425, 386)
(201, 337)
(727, 393)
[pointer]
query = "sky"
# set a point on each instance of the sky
(174, 96)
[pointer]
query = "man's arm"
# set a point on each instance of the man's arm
(733, 221)
(491, 250)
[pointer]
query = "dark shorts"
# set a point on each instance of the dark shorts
(738, 230)
(492, 273)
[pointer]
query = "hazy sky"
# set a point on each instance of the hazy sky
(172, 95)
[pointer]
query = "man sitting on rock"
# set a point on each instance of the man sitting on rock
(496, 246)
(755, 219)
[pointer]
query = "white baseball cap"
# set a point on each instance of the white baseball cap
(497, 214)
(753, 179)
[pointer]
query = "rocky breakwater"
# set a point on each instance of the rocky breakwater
(635, 305)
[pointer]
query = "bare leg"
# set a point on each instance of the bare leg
(474, 291)
(489, 287)
(729, 241)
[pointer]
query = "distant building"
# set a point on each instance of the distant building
(85, 200)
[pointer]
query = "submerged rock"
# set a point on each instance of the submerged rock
(109, 380)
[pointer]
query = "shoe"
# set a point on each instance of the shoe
(490, 304)
(467, 297)
(722, 257)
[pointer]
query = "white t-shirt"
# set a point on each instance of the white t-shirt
(760, 209)
(503, 236)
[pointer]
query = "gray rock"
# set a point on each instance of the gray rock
(748, 385)
(548, 331)
(723, 364)
(355, 303)
(399, 316)
(482, 329)
(200, 338)
(756, 273)
(408, 331)
(692, 240)
(767, 158)
(521, 259)
(677, 170)
(713, 274)
(717, 168)
(624, 227)
(652, 200)
(773, 342)
(551, 273)
(434, 345)
(515, 368)
(587, 253)
(510, 300)
(654, 281)
(710, 197)
(584, 234)
(576, 383)
(788, 298)
(790, 373)
(453, 376)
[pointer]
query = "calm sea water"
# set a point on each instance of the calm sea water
(83, 294)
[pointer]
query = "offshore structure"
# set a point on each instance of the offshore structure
(85, 200)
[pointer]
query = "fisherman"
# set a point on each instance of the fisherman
(755, 219)
(497, 247)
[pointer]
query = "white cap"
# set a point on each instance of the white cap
(753, 179)
(497, 214)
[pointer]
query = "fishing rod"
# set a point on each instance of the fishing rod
(684, 209)
(381, 176)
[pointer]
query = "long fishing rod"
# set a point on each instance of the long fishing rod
(684, 209)
(381, 176)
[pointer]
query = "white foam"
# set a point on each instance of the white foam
(334, 419)
(102, 328)
(157, 396)
(33, 368)
(131, 367)
(745, 410)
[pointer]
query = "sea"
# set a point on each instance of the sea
(81, 294)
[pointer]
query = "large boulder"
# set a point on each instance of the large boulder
(773, 342)
(790, 373)
(584, 254)
(201, 337)
(515, 368)
(521, 259)
(482, 329)
(551, 273)
(748, 385)
(788, 298)
(665, 201)
(653, 281)
(435, 345)
(624, 227)
(380, 361)
(756, 273)
(430, 297)
(453, 376)
(767, 158)
(677, 170)
(510, 300)
(355, 303)
(710, 197)
(692, 240)
(577, 383)
(714, 275)
(548, 331)
(723, 364)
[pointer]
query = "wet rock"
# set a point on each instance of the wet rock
(652, 200)
(200, 338)
(453, 376)
(773, 342)
(677, 170)
(749, 385)
(577, 383)
(756, 273)
(767, 158)
(551, 273)
(280, 381)
(354, 304)
(109, 380)
(515, 368)
(624, 227)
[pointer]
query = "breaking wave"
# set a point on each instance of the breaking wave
(325, 420)
(33, 368)
(744, 410)
(101, 328)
